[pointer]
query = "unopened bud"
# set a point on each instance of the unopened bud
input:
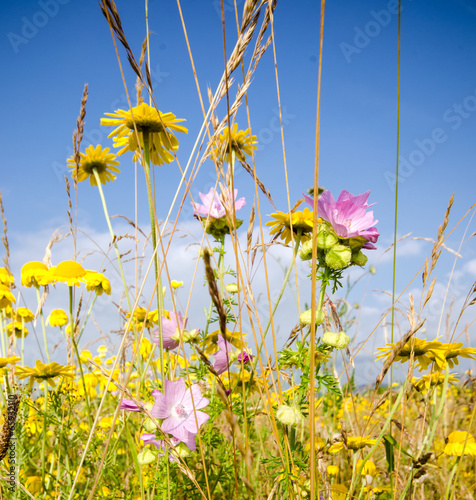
(359, 259)
(338, 340)
(232, 288)
(326, 237)
(305, 317)
(338, 257)
(289, 415)
(146, 457)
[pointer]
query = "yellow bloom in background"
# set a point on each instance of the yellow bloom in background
(176, 284)
(332, 470)
(6, 297)
(148, 120)
(354, 443)
(98, 282)
(102, 351)
(338, 492)
(84, 356)
(18, 329)
(58, 317)
(69, 272)
(451, 352)
(23, 313)
(34, 485)
(431, 380)
(141, 316)
(9, 361)
(34, 274)
(241, 141)
(460, 443)
(95, 158)
(89, 386)
(46, 372)
(145, 348)
(300, 220)
(6, 277)
(236, 338)
(424, 352)
(369, 468)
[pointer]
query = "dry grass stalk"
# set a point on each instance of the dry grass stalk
(214, 293)
(78, 133)
(139, 82)
(4, 237)
(249, 233)
(9, 424)
(394, 353)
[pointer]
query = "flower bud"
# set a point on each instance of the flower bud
(305, 317)
(326, 237)
(289, 415)
(338, 257)
(232, 288)
(356, 242)
(359, 259)
(372, 270)
(147, 456)
(338, 340)
(149, 425)
(191, 336)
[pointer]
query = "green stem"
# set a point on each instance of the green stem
(281, 292)
(43, 441)
(113, 237)
(160, 296)
(75, 347)
(450, 481)
(43, 324)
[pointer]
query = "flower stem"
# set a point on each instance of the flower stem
(43, 324)
(450, 480)
(113, 237)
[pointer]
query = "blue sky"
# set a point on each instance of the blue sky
(51, 48)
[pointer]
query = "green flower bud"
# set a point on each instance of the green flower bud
(305, 317)
(149, 426)
(356, 242)
(232, 288)
(338, 257)
(220, 227)
(182, 450)
(338, 340)
(191, 336)
(372, 270)
(289, 415)
(305, 251)
(326, 237)
(147, 456)
(359, 259)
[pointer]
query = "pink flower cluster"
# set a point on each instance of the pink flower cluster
(348, 215)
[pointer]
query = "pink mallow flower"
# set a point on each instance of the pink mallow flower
(179, 407)
(226, 354)
(348, 215)
(214, 206)
(170, 330)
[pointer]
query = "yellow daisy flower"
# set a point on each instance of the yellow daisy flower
(431, 380)
(46, 372)
(150, 121)
(34, 274)
(58, 317)
(98, 282)
(460, 443)
(6, 277)
(332, 470)
(34, 485)
(18, 329)
(300, 220)
(9, 361)
(424, 352)
(94, 158)
(6, 297)
(354, 443)
(451, 353)
(25, 314)
(242, 142)
(69, 272)
(369, 468)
